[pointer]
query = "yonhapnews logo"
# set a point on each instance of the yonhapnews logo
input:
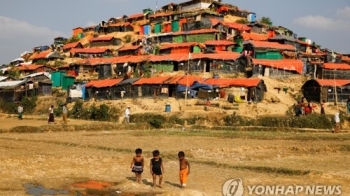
(233, 187)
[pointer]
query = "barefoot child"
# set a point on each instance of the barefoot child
(157, 168)
(137, 164)
(184, 169)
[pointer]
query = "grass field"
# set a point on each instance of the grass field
(59, 159)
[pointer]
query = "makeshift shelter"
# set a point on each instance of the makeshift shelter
(70, 46)
(102, 89)
(338, 71)
(104, 41)
(279, 68)
(245, 88)
(104, 70)
(317, 90)
(120, 27)
(90, 52)
(152, 87)
(126, 89)
(199, 36)
(13, 91)
(26, 69)
(47, 55)
(129, 50)
(77, 30)
(218, 45)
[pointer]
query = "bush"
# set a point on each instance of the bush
(77, 110)
(156, 123)
(100, 113)
(29, 103)
(8, 107)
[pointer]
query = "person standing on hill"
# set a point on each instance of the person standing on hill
(20, 112)
(51, 115)
(337, 123)
(322, 107)
(127, 114)
(64, 113)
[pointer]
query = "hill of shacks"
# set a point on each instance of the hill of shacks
(203, 47)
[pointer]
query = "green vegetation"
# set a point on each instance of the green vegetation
(266, 20)
(28, 103)
(73, 39)
(93, 112)
(127, 38)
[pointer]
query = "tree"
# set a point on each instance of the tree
(266, 20)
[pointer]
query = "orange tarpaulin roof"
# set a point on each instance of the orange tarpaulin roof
(103, 83)
(341, 66)
(338, 83)
(219, 42)
(273, 45)
(254, 36)
(89, 50)
(290, 65)
(239, 82)
(153, 80)
(71, 45)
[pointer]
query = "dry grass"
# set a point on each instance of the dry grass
(57, 159)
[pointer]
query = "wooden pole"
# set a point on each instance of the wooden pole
(188, 71)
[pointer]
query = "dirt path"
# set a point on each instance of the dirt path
(57, 160)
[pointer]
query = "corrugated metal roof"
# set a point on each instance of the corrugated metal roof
(286, 64)
(103, 83)
(11, 83)
(341, 66)
(2, 78)
(128, 81)
(47, 74)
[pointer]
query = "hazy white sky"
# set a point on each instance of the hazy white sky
(25, 24)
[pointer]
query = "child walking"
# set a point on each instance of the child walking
(184, 169)
(157, 168)
(137, 164)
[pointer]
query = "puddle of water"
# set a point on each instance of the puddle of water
(38, 190)
(89, 188)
